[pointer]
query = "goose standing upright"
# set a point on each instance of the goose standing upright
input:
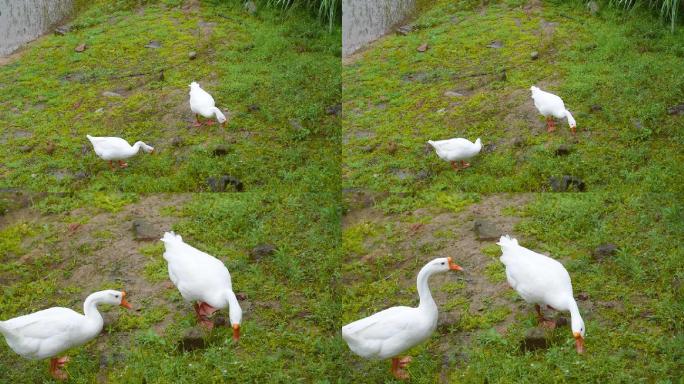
(201, 103)
(458, 149)
(541, 280)
(202, 279)
(117, 149)
(49, 332)
(390, 332)
(551, 106)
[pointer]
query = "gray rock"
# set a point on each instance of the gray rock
(534, 55)
(110, 94)
(192, 55)
(85, 148)
(452, 94)
(536, 338)
(220, 184)
(241, 296)
(154, 44)
(596, 108)
(192, 339)
(563, 150)
(221, 150)
(423, 47)
(177, 142)
(81, 47)
(676, 110)
(593, 7)
(62, 30)
(254, 108)
(404, 29)
(486, 230)
(26, 148)
(262, 250)
(144, 231)
(250, 7)
(489, 148)
(566, 183)
(582, 296)
(604, 250)
(518, 142)
(496, 44)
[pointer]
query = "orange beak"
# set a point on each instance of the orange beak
(125, 303)
(223, 125)
(453, 266)
(152, 151)
(579, 342)
(236, 332)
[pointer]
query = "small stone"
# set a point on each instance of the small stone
(486, 230)
(154, 44)
(604, 250)
(50, 148)
(334, 110)
(219, 319)
(404, 30)
(495, 44)
(110, 94)
(422, 48)
(26, 148)
(534, 55)
(177, 141)
(80, 48)
(99, 110)
(62, 30)
(296, 124)
(253, 108)
(192, 339)
(565, 183)
(241, 296)
(676, 110)
(230, 180)
(250, 7)
(85, 148)
(262, 250)
(144, 231)
(367, 148)
(563, 150)
(452, 94)
(489, 148)
(221, 150)
(192, 55)
(582, 296)
(392, 147)
(593, 7)
(596, 108)
(518, 142)
(536, 338)
(561, 321)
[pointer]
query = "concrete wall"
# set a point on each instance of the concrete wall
(365, 20)
(24, 20)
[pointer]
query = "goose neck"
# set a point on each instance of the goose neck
(426, 300)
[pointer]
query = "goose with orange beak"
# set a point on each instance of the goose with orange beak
(389, 333)
(541, 280)
(202, 280)
(50, 332)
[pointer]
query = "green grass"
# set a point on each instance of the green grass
(276, 75)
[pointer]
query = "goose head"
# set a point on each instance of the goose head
(443, 264)
(220, 117)
(577, 325)
(146, 148)
(571, 121)
(235, 314)
(115, 298)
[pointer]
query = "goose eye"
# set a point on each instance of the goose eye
(442, 263)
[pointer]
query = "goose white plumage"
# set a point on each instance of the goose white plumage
(390, 332)
(201, 103)
(541, 280)
(49, 332)
(202, 279)
(117, 149)
(458, 149)
(551, 106)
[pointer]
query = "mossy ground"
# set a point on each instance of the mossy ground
(618, 74)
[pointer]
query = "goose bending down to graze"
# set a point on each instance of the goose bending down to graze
(117, 149)
(201, 103)
(458, 149)
(50, 332)
(203, 280)
(389, 333)
(551, 106)
(541, 280)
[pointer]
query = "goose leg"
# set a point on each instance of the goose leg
(550, 124)
(398, 365)
(464, 164)
(209, 122)
(454, 165)
(111, 166)
(197, 122)
(56, 365)
(203, 311)
(122, 164)
(542, 320)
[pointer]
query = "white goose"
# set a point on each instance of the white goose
(458, 149)
(551, 106)
(117, 149)
(392, 331)
(202, 279)
(541, 280)
(201, 103)
(49, 332)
